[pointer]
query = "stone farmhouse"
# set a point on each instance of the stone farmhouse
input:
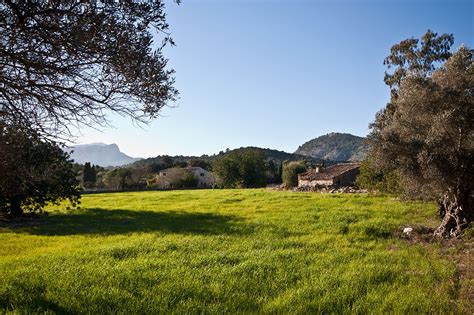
(171, 177)
(343, 174)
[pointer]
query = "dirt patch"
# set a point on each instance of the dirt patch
(419, 234)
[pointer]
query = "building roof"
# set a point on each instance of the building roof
(195, 168)
(329, 172)
(184, 169)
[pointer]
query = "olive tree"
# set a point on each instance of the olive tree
(428, 137)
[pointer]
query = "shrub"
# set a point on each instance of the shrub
(372, 179)
(291, 171)
(189, 181)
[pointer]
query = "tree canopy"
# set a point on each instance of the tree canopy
(34, 172)
(241, 168)
(89, 175)
(290, 172)
(64, 65)
(412, 56)
(67, 63)
(378, 180)
(428, 138)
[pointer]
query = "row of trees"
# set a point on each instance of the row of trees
(244, 168)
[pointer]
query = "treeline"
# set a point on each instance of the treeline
(93, 177)
(270, 154)
(239, 168)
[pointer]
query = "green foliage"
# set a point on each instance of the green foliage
(412, 57)
(372, 179)
(227, 251)
(200, 163)
(290, 172)
(34, 172)
(124, 178)
(273, 172)
(189, 180)
(241, 168)
(205, 161)
(152, 168)
(89, 176)
(119, 179)
(167, 161)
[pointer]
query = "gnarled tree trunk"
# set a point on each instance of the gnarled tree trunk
(458, 214)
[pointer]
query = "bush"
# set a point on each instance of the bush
(189, 181)
(372, 179)
(291, 171)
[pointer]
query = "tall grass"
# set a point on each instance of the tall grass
(226, 251)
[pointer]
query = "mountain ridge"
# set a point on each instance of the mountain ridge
(100, 154)
(332, 147)
(335, 146)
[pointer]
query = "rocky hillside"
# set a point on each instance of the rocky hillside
(100, 154)
(277, 155)
(335, 147)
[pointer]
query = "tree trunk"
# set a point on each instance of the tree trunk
(458, 214)
(15, 207)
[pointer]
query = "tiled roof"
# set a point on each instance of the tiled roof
(329, 172)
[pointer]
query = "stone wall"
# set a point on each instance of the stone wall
(314, 183)
(347, 179)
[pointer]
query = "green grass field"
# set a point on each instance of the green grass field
(227, 251)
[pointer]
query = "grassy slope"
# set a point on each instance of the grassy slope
(226, 251)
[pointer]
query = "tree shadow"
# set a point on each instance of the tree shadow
(119, 221)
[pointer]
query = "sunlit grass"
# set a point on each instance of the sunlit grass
(218, 251)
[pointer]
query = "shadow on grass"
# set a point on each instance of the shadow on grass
(118, 221)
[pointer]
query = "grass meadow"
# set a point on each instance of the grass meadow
(227, 251)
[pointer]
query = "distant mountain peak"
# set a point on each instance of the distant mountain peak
(335, 146)
(100, 154)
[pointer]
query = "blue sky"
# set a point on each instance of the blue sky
(278, 73)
